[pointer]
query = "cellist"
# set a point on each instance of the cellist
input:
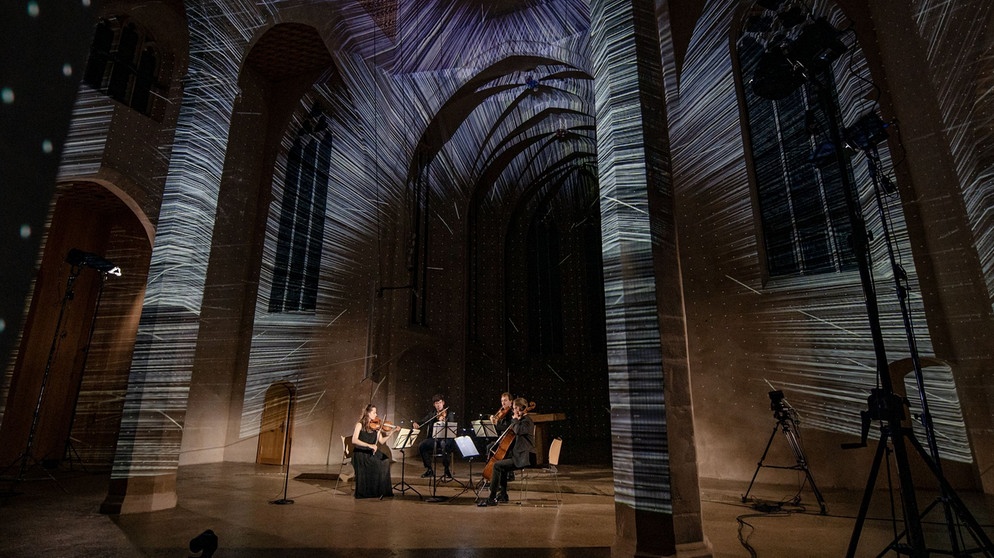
(521, 454)
(501, 420)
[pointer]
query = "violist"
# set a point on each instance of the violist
(502, 418)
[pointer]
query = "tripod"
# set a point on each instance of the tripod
(786, 423)
(888, 408)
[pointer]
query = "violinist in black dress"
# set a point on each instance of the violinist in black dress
(372, 466)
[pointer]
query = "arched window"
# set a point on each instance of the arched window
(545, 301)
(799, 181)
(301, 225)
(124, 64)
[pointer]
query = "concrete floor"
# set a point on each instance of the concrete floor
(59, 518)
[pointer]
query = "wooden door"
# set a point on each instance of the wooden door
(276, 430)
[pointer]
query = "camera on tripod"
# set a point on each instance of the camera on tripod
(781, 408)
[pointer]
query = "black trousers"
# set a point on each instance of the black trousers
(427, 450)
(498, 481)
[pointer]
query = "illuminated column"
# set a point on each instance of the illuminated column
(657, 500)
(945, 205)
(144, 471)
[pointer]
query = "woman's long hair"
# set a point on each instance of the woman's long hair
(364, 419)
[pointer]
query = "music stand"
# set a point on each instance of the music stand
(467, 447)
(404, 440)
(444, 430)
(440, 432)
(484, 428)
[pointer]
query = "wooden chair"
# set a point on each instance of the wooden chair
(347, 449)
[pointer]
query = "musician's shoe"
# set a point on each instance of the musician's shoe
(428, 474)
(447, 476)
(503, 499)
(482, 503)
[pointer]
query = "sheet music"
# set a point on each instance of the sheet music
(466, 447)
(405, 438)
(444, 430)
(484, 428)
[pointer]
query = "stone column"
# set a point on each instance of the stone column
(143, 477)
(657, 498)
(956, 298)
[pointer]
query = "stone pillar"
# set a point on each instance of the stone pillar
(956, 298)
(657, 497)
(143, 477)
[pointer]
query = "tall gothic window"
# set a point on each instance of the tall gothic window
(799, 182)
(545, 301)
(301, 224)
(124, 64)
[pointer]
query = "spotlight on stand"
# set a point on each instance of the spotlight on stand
(776, 77)
(787, 63)
(79, 258)
(867, 132)
(817, 46)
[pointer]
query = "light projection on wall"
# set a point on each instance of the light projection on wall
(813, 332)
(525, 79)
(156, 400)
(528, 125)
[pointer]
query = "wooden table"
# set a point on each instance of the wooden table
(542, 439)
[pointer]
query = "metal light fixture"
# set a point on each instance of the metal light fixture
(79, 258)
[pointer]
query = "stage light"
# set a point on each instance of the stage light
(816, 46)
(787, 64)
(868, 131)
(79, 258)
(776, 77)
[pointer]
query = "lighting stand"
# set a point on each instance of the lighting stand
(786, 423)
(70, 450)
(26, 458)
(789, 61)
(885, 405)
(888, 407)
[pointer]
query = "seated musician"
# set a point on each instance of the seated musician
(521, 454)
(502, 418)
(372, 466)
(501, 421)
(430, 445)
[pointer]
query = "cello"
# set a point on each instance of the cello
(501, 447)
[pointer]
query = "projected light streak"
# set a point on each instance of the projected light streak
(91, 119)
(710, 175)
(958, 54)
(161, 370)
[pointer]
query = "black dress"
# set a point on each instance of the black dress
(372, 470)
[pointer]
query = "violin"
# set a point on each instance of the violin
(495, 418)
(380, 424)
